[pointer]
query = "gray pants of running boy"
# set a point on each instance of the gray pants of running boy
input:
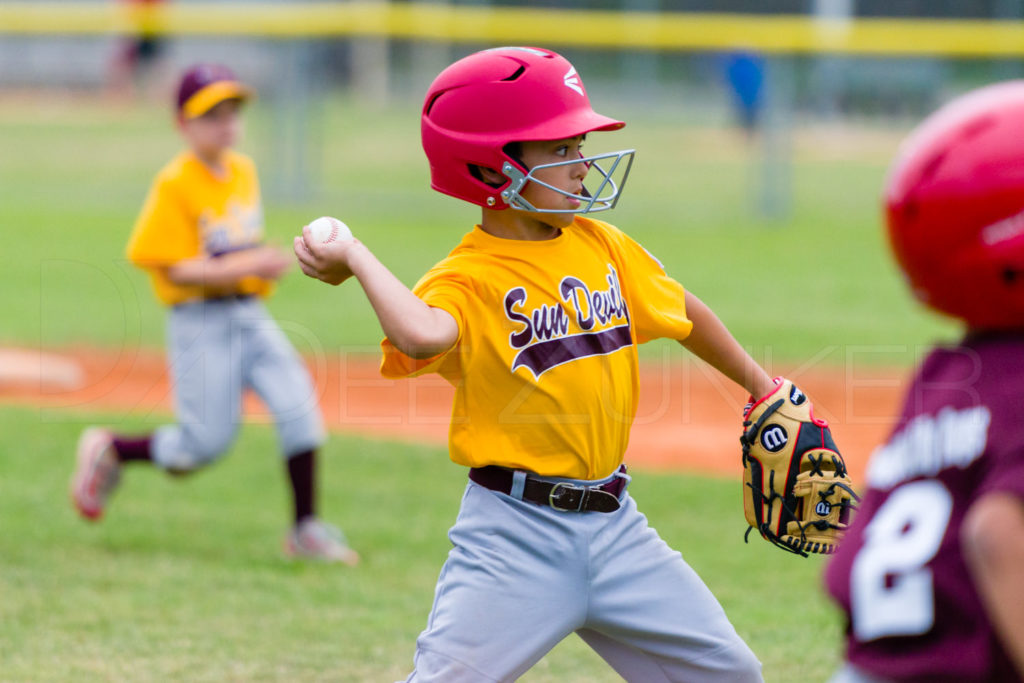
(216, 350)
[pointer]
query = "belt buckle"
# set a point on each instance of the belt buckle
(569, 487)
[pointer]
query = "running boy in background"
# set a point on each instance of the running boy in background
(200, 238)
(535, 318)
(931, 573)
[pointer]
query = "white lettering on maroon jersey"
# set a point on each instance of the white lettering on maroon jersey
(929, 444)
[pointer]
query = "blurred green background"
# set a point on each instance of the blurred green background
(75, 174)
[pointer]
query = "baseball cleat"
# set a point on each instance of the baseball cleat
(315, 539)
(97, 474)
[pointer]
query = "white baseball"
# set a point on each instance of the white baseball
(328, 229)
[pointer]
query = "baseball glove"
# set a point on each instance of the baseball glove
(797, 493)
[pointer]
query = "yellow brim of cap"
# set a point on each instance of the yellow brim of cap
(209, 97)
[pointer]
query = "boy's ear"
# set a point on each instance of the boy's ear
(488, 175)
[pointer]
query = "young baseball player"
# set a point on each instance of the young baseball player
(535, 318)
(200, 238)
(929, 574)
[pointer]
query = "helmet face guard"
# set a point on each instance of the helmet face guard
(603, 198)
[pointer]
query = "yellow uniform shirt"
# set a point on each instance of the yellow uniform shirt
(192, 213)
(545, 367)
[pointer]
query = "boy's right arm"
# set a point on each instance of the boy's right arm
(414, 328)
(993, 540)
(224, 272)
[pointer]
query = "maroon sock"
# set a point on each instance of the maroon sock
(302, 472)
(129, 449)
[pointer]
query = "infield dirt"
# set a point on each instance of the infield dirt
(688, 417)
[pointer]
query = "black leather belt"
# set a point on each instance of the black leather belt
(230, 297)
(217, 299)
(558, 495)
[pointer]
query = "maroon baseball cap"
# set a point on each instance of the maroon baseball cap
(204, 86)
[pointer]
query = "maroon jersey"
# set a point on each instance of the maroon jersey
(912, 610)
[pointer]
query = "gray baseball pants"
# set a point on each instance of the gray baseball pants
(216, 349)
(521, 577)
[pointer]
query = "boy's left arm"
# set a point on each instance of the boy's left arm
(714, 344)
(797, 493)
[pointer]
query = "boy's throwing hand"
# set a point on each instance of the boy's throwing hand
(326, 261)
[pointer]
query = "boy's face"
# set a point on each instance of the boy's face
(569, 177)
(216, 130)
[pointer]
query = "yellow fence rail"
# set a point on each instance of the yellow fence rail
(506, 25)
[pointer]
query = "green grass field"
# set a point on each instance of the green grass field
(184, 581)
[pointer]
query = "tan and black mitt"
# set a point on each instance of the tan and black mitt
(797, 493)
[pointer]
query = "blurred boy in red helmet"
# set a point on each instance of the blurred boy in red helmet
(930, 573)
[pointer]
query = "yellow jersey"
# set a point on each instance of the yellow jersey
(545, 366)
(192, 213)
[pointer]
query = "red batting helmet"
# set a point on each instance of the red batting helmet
(485, 101)
(955, 204)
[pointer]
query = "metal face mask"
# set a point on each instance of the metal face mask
(604, 197)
